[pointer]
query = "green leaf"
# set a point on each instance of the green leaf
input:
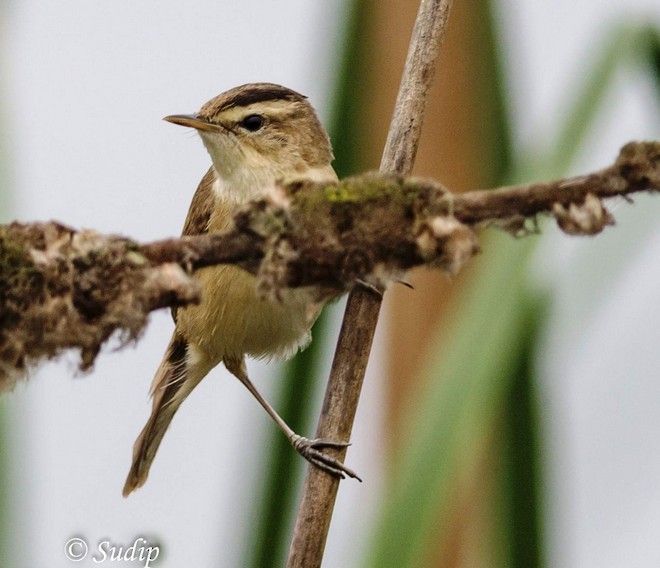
(624, 44)
(458, 407)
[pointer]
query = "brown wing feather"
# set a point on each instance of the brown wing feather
(199, 213)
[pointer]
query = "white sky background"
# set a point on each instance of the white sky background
(88, 85)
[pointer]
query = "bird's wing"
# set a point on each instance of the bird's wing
(201, 207)
(199, 212)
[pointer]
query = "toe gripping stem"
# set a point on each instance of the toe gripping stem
(311, 450)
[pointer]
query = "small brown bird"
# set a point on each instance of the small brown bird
(256, 135)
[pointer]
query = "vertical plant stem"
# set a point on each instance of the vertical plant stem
(272, 520)
(363, 306)
(406, 126)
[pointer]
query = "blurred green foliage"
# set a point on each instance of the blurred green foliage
(481, 389)
(480, 399)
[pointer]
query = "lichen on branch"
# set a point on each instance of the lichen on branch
(371, 228)
(62, 289)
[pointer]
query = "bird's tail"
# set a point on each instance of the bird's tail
(171, 385)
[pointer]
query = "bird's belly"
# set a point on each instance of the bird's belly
(232, 321)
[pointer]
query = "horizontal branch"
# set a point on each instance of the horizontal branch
(636, 169)
(368, 196)
(61, 288)
(66, 289)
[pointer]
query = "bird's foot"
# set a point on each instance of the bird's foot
(311, 450)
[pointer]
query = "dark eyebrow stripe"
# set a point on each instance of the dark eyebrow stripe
(249, 94)
(260, 95)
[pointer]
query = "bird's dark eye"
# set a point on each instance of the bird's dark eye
(252, 122)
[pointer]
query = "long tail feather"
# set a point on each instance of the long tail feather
(169, 389)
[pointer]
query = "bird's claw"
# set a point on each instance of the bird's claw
(371, 287)
(311, 450)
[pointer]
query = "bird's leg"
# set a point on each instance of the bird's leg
(311, 450)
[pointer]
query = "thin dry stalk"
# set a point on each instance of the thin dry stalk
(361, 316)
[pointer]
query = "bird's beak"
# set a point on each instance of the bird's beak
(193, 121)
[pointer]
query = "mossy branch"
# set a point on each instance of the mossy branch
(66, 289)
(329, 236)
